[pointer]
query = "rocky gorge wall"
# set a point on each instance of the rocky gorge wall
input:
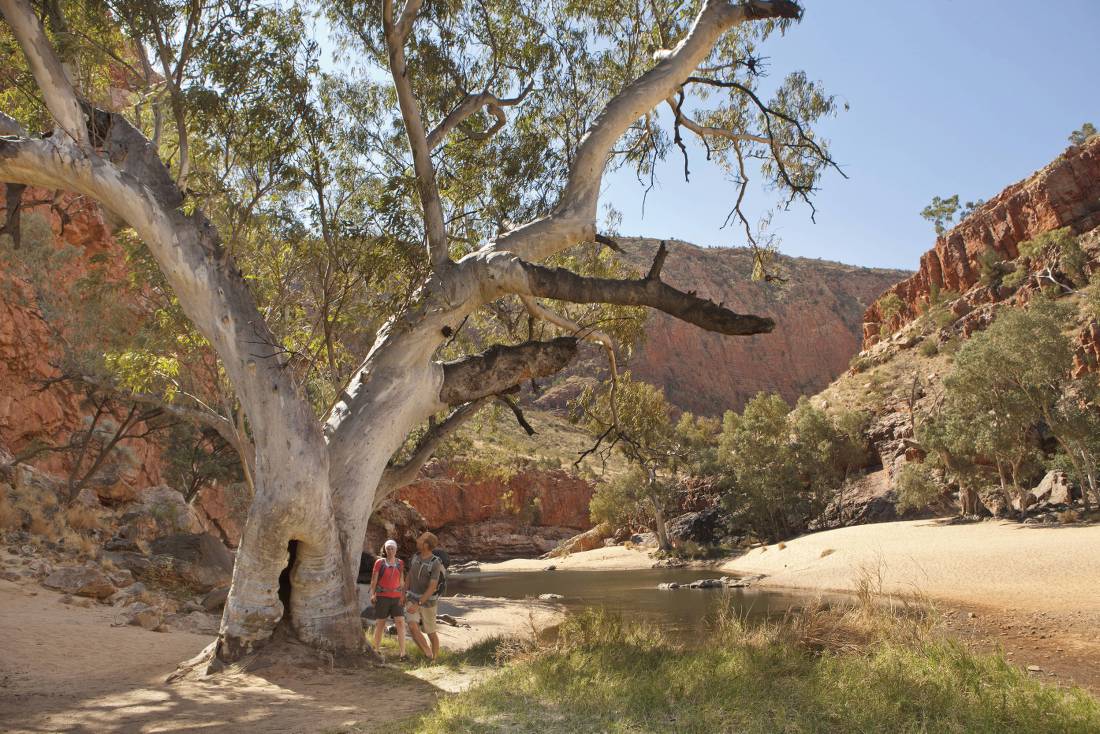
(35, 408)
(1066, 193)
(818, 315)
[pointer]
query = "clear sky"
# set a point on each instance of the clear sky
(945, 96)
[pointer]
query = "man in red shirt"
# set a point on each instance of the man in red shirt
(387, 594)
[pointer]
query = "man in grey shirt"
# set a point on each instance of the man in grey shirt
(425, 572)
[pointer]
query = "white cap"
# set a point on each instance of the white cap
(390, 543)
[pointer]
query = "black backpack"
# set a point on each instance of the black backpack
(445, 562)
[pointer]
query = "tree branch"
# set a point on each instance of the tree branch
(397, 476)
(470, 104)
(512, 275)
(434, 226)
(708, 131)
(502, 367)
(57, 89)
(574, 217)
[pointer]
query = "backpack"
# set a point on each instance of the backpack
(382, 571)
(444, 564)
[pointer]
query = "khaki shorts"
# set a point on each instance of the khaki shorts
(423, 616)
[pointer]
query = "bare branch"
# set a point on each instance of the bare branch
(57, 89)
(512, 275)
(517, 412)
(397, 476)
(574, 217)
(470, 104)
(704, 131)
(434, 225)
(10, 126)
(502, 367)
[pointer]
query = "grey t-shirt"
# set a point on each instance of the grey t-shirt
(422, 573)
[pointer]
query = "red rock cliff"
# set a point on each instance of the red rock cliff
(1064, 194)
(818, 315)
(34, 410)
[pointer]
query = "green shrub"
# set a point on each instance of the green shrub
(929, 347)
(916, 487)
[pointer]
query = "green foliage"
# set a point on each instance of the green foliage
(917, 487)
(777, 467)
(891, 306)
(1082, 134)
(930, 347)
(812, 672)
(941, 212)
(990, 269)
(1063, 248)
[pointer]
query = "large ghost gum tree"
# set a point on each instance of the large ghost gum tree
(317, 480)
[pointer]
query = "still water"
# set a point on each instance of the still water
(634, 594)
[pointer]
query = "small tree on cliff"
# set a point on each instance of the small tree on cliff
(1081, 135)
(480, 159)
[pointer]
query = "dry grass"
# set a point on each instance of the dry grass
(10, 517)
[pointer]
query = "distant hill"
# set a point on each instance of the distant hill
(818, 313)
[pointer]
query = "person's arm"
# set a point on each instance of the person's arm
(374, 582)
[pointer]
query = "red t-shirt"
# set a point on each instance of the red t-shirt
(389, 578)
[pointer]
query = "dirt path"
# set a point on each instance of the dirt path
(66, 668)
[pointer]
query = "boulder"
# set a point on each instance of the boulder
(1055, 489)
(706, 584)
(134, 593)
(199, 559)
(669, 586)
(142, 615)
(197, 623)
(586, 541)
(215, 600)
(550, 597)
(168, 510)
(705, 527)
(85, 580)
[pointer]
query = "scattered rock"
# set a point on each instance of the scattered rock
(142, 615)
(10, 576)
(198, 623)
(134, 592)
(468, 567)
(669, 586)
(447, 619)
(586, 541)
(121, 577)
(215, 600)
(1034, 669)
(81, 581)
(550, 597)
(551, 568)
(199, 559)
(705, 527)
(706, 584)
(1054, 488)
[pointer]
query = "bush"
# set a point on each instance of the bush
(916, 487)
(929, 347)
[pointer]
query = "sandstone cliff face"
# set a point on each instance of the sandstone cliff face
(492, 518)
(1064, 194)
(34, 410)
(818, 315)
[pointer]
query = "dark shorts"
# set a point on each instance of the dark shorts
(388, 607)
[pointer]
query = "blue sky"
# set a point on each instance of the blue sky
(963, 96)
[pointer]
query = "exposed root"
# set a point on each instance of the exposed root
(282, 651)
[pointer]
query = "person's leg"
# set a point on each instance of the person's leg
(418, 638)
(379, 628)
(427, 621)
(399, 622)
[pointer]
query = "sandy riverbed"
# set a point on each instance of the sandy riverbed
(614, 558)
(1002, 564)
(66, 668)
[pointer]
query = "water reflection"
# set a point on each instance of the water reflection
(634, 594)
